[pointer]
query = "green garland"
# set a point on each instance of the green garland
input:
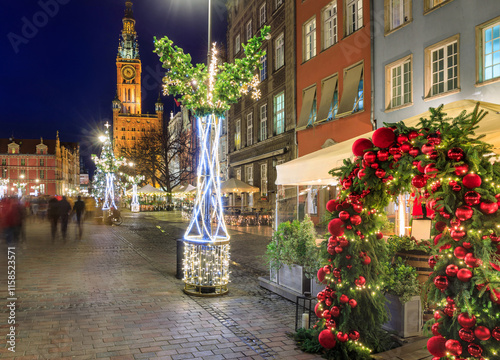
(191, 84)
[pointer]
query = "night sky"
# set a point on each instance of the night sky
(58, 58)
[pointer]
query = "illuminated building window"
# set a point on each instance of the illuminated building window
(42, 174)
(4, 162)
(263, 179)
(396, 14)
(23, 162)
(330, 25)
(279, 51)
(262, 14)
(249, 30)
(309, 31)
(263, 71)
(433, 4)
(263, 122)
(42, 162)
(250, 129)
(354, 15)
(237, 44)
(441, 67)
(488, 51)
(279, 113)
(237, 135)
(398, 90)
(278, 3)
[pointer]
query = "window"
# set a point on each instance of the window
(432, 4)
(263, 179)
(4, 173)
(223, 150)
(133, 137)
(309, 31)
(250, 129)
(23, 162)
(280, 51)
(441, 67)
(279, 113)
(278, 3)
(23, 173)
(4, 162)
(330, 25)
(249, 30)
(123, 129)
(263, 71)
(42, 174)
(329, 104)
(249, 180)
(397, 13)
(123, 137)
(352, 93)
(354, 16)
(42, 162)
(238, 173)
(308, 110)
(237, 135)
(488, 45)
(143, 130)
(42, 188)
(263, 122)
(237, 44)
(262, 15)
(398, 90)
(133, 129)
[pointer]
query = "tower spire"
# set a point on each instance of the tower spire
(128, 48)
(129, 13)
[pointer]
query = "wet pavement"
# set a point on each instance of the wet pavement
(114, 295)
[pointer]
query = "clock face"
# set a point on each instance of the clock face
(128, 72)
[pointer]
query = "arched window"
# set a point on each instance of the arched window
(129, 95)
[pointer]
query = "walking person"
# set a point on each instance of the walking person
(79, 210)
(64, 211)
(53, 216)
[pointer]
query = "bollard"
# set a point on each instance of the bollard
(180, 257)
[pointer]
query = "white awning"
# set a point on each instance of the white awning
(312, 169)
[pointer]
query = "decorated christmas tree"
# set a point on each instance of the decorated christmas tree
(455, 172)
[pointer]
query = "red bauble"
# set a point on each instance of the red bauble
(454, 347)
(461, 170)
(344, 299)
(361, 281)
(326, 314)
(421, 167)
(471, 261)
(366, 260)
(440, 226)
(438, 314)
(343, 242)
(414, 151)
(383, 155)
(496, 333)
(357, 207)
(405, 147)
(464, 212)
(488, 208)
(475, 350)
(330, 324)
(427, 148)
(450, 309)
(354, 335)
(452, 270)
(335, 311)
(495, 266)
(353, 303)
(319, 308)
(327, 339)
(434, 139)
(331, 205)
(495, 296)
(465, 321)
(464, 275)
(396, 157)
(380, 173)
(379, 236)
(457, 235)
(355, 220)
(436, 346)
(383, 137)
(419, 181)
(432, 262)
(430, 170)
(339, 249)
(336, 227)
(394, 150)
(360, 145)
(344, 215)
(342, 337)
(369, 157)
(471, 181)
(321, 275)
(472, 198)
(402, 138)
(361, 174)
(455, 154)
(441, 282)
(482, 333)
(346, 184)
(466, 335)
(460, 252)
(412, 135)
(435, 329)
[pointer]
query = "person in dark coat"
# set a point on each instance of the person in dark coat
(53, 216)
(79, 210)
(64, 211)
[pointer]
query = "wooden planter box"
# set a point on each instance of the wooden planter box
(291, 277)
(405, 319)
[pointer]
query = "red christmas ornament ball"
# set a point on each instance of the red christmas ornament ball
(383, 155)
(488, 207)
(435, 329)
(461, 170)
(319, 308)
(344, 215)
(342, 337)
(402, 138)
(496, 333)
(361, 174)
(454, 347)
(472, 198)
(366, 260)
(354, 335)
(440, 226)
(460, 252)
(432, 262)
(455, 154)
(457, 234)
(353, 303)
(475, 350)
(464, 275)
(482, 333)
(369, 157)
(344, 299)
(406, 147)
(471, 261)
(466, 321)
(357, 207)
(438, 314)
(335, 311)
(495, 296)
(441, 282)
(331, 205)
(471, 181)
(360, 145)
(419, 181)
(466, 334)
(452, 270)
(430, 170)
(336, 227)
(464, 212)
(383, 137)
(327, 339)
(414, 151)
(355, 220)
(380, 173)
(427, 148)
(321, 275)
(437, 346)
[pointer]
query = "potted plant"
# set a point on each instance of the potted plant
(293, 255)
(402, 291)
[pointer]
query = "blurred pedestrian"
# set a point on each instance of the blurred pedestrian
(11, 218)
(79, 210)
(53, 216)
(64, 211)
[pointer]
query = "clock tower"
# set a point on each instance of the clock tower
(129, 124)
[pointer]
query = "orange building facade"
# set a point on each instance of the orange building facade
(129, 124)
(333, 72)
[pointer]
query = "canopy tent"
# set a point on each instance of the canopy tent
(312, 169)
(148, 189)
(237, 186)
(178, 189)
(189, 188)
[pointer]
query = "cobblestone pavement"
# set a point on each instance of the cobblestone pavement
(114, 295)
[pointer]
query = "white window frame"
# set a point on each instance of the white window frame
(330, 25)
(237, 134)
(263, 122)
(263, 179)
(278, 3)
(262, 14)
(430, 5)
(249, 180)
(354, 16)
(397, 14)
(263, 71)
(249, 30)
(279, 113)
(238, 174)
(309, 31)
(279, 51)
(249, 129)
(397, 88)
(484, 55)
(237, 44)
